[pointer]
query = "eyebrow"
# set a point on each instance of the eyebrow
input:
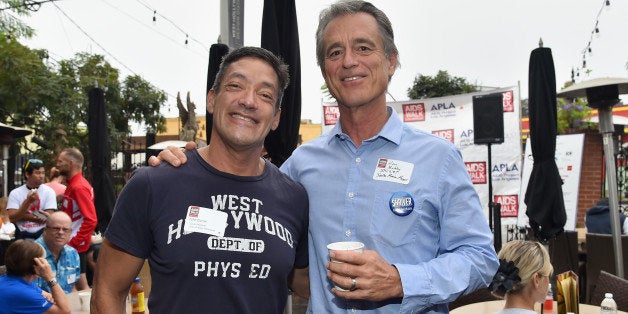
(239, 75)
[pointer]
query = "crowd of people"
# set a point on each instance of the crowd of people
(51, 234)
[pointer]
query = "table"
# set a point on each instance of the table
(490, 307)
(75, 304)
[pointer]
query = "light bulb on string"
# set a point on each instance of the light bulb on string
(186, 39)
(154, 16)
(590, 51)
(608, 5)
(584, 64)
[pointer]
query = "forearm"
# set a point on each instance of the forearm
(21, 213)
(108, 302)
(61, 301)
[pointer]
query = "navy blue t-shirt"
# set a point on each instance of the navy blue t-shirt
(243, 271)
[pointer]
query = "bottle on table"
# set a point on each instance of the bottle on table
(138, 306)
(608, 305)
(548, 306)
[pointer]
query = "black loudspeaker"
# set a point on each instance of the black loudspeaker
(488, 119)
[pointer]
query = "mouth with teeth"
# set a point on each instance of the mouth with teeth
(352, 78)
(243, 118)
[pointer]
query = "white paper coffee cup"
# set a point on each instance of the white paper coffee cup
(85, 296)
(345, 246)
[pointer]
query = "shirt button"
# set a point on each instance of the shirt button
(348, 233)
(358, 160)
(351, 194)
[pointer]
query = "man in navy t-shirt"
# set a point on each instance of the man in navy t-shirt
(223, 232)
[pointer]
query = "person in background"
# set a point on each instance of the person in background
(57, 182)
(523, 276)
(63, 259)
(30, 204)
(598, 219)
(228, 225)
(7, 228)
(78, 203)
(406, 194)
(25, 262)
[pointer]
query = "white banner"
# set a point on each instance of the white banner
(569, 162)
(451, 117)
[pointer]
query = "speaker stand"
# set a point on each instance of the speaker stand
(494, 209)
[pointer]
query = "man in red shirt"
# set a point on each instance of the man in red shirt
(78, 203)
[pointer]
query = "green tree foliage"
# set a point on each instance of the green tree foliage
(442, 84)
(53, 101)
(10, 25)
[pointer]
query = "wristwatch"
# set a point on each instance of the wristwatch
(52, 282)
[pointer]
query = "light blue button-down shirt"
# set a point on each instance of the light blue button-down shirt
(442, 248)
(67, 269)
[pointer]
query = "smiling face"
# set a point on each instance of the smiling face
(356, 68)
(244, 108)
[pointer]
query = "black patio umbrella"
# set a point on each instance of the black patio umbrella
(100, 153)
(544, 195)
(280, 35)
(216, 53)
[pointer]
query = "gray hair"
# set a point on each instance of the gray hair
(342, 8)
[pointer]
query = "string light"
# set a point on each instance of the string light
(173, 24)
(595, 32)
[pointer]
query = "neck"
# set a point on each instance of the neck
(363, 122)
(518, 301)
(241, 163)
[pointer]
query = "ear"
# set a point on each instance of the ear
(392, 64)
(211, 95)
(536, 279)
(275, 123)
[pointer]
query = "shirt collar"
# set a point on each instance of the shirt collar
(392, 130)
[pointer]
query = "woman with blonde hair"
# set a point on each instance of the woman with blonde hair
(523, 276)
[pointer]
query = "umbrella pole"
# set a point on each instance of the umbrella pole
(494, 209)
(607, 129)
(5, 165)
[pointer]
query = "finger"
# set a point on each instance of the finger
(153, 161)
(168, 156)
(190, 145)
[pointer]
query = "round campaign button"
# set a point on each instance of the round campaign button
(401, 203)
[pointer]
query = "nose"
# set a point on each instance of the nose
(349, 59)
(247, 99)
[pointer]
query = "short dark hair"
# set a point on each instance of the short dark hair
(20, 257)
(32, 164)
(281, 69)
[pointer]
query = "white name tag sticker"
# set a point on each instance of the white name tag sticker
(205, 220)
(393, 171)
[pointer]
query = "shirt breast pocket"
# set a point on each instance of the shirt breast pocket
(391, 229)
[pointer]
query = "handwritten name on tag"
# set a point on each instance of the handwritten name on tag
(205, 220)
(393, 171)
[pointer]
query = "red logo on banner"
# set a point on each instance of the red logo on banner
(509, 203)
(331, 113)
(446, 134)
(477, 171)
(509, 105)
(413, 112)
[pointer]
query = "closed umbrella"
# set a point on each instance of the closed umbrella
(100, 153)
(544, 194)
(281, 36)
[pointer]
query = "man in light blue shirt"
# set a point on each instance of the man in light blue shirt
(402, 192)
(63, 259)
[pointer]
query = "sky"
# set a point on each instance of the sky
(487, 42)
